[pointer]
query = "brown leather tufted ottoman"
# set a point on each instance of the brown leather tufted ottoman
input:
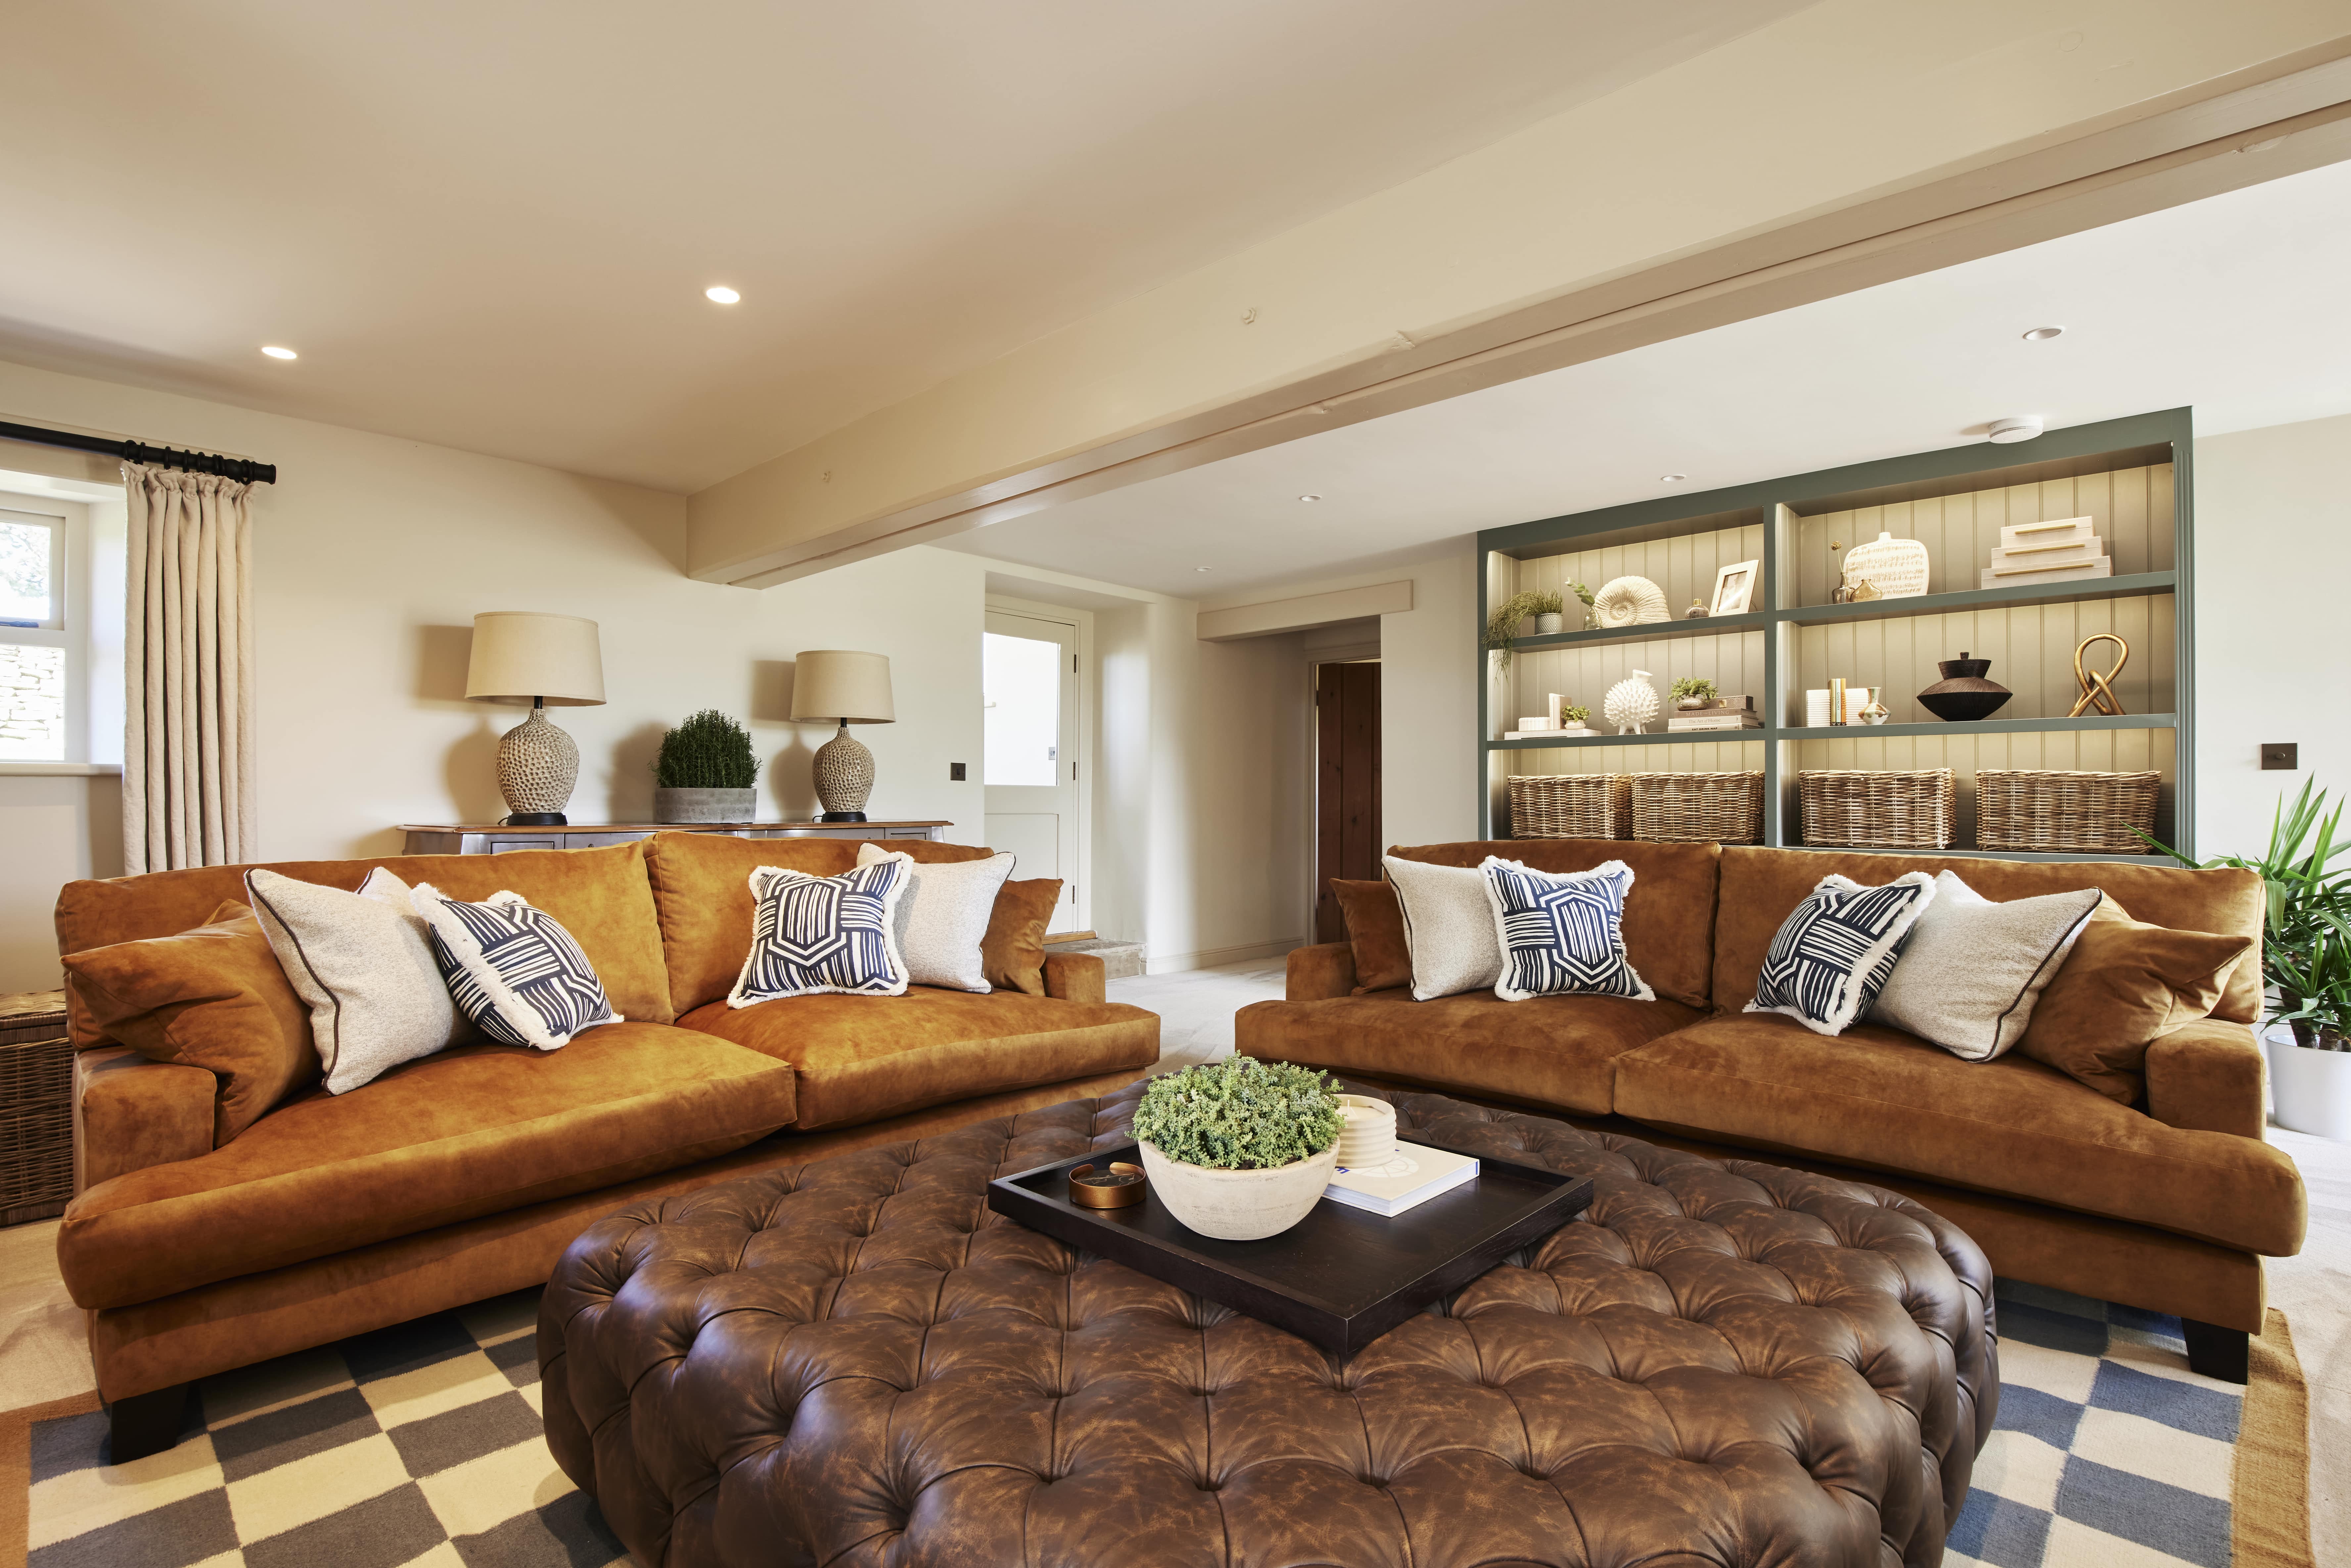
(854, 1361)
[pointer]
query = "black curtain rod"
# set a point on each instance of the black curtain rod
(236, 468)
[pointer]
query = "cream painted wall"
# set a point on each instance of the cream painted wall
(372, 555)
(2272, 554)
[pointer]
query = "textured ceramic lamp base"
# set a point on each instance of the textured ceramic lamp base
(844, 777)
(537, 765)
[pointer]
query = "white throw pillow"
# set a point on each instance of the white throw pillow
(513, 970)
(943, 915)
(1562, 933)
(1448, 927)
(815, 935)
(1835, 951)
(362, 964)
(1972, 969)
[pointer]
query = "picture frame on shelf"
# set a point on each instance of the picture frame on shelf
(1734, 588)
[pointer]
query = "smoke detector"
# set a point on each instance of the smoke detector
(2004, 431)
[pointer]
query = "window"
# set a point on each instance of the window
(1020, 681)
(34, 677)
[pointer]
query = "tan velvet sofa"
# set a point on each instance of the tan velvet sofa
(465, 1174)
(2167, 1204)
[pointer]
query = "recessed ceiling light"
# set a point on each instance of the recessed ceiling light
(719, 293)
(2022, 428)
(275, 352)
(1310, 497)
(2042, 334)
(1200, 568)
(1671, 479)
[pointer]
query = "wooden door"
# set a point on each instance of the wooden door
(1346, 785)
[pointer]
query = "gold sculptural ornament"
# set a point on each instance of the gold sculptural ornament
(2099, 688)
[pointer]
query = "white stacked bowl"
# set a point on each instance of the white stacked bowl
(1368, 1136)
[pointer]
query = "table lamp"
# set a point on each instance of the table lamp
(520, 656)
(829, 686)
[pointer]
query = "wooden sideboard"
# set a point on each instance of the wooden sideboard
(490, 838)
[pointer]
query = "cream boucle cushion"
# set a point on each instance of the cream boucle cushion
(1449, 926)
(943, 916)
(1972, 969)
(363, 964)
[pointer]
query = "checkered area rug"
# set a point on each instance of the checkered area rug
(422, 1444)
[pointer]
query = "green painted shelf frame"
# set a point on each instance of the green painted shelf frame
(2142, 439)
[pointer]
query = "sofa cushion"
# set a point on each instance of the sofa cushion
(476, 1130)
(702, 891)
(602, 896)
(1375, 933)
(1668, 918)
(1877, 1097)
(1554, 1051)
(1013, 950)
(2125, 984)
(860, 1059)
(1760, 886)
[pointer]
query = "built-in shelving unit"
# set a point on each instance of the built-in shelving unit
(2129, 475)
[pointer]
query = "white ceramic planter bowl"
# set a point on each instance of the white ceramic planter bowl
(2311, 1090)
(1240, 1206)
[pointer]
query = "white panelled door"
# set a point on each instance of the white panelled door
(1030, 762)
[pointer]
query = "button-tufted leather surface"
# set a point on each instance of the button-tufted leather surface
(854, 1361)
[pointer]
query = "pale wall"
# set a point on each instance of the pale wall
(374, 554)
(2273, 557)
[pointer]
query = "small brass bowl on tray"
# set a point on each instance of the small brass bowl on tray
(1116, 1185)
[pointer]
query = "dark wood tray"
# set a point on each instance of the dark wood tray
(1340, 1277)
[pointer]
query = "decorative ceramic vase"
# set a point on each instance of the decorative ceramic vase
(537, 765)
(1697, 612)
(1874, 712)
(1549, 625)
(1896, 568)
(844, 773)
(705, 805)
(1240, 1206)
(1630, 704)
(2310, 1088)
(1630, 601)
(1963, 694)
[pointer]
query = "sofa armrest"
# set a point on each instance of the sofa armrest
(1075, 978)
(2208, 1078)
(1327, 970)
(130, 1113)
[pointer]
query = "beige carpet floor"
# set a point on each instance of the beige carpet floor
(42, 1356)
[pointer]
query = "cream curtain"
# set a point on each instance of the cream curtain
(187, 655)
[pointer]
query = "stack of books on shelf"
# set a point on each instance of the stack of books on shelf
(1723, 713)
(2061, 552)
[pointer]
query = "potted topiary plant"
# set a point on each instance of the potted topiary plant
(1241, 1149)
(1547, 608)
(2306, 961)
(1693, 692)
(705, 772)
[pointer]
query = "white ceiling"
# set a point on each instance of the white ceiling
(2236, 305)
(488, 224)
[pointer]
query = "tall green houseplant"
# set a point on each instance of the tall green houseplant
(707, 751)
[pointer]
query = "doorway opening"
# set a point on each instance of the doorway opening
(1029, 733)
(1346, 785)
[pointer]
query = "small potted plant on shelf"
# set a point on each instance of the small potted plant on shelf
(1239, 1149)
(1547, 608)
(1693, 692)
(2306, 961)
(704, 771)
(1577, 717)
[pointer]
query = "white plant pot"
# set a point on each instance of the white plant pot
(2311, 1090)
(1240, 1206)
(1545, 625)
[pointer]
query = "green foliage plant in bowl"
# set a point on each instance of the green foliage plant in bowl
(705, 771)
(1692, 691)
(1239, 1149)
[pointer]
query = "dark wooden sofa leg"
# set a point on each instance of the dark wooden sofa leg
(2224, 1353)
(145, 1424)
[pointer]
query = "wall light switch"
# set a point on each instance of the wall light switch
(2276, 756)
(955, 773)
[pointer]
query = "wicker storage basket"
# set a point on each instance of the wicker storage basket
(1872, 808)
(1571, 806)
(2089, 813)
(35, 1107)
(1698, 807)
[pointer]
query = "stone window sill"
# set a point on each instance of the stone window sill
(57, 769)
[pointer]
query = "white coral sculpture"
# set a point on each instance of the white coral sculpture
(1630, 704)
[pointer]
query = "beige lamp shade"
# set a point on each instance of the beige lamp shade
(828, 683)
(519, 655)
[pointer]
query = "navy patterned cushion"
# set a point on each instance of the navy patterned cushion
(814, 934)
(513, 968)
(1561, 934)
(1832, 956)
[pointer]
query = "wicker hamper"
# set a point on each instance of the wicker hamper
(1571, 806)
(2086, 813)
(1698, 807)
(35, 1107)
(1878, 809)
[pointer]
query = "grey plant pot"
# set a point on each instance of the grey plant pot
(705, 805)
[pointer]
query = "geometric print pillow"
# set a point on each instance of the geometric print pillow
(1562, 934)
(513, 968)
(1833, 953)
(812, 935)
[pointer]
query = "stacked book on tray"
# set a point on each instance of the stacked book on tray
(1723, 713)
(1377, 1172)
(2062, 551)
